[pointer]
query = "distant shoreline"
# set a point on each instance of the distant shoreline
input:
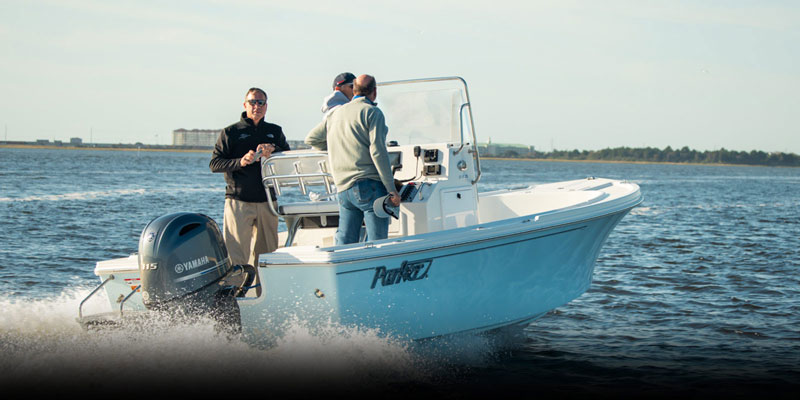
(629, 162)
(523, 159)
(89, 147)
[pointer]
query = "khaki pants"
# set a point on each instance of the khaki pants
(249, 229)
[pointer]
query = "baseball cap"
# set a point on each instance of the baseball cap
(341, 79)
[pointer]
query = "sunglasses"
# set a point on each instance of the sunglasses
(257, 101)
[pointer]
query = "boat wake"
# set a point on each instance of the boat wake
(42, 343)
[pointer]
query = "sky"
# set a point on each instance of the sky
(568, 74)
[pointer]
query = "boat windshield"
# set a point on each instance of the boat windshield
(425, 111)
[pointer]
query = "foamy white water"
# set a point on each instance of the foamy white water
(42, 342)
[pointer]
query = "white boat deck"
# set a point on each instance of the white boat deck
(504, 212)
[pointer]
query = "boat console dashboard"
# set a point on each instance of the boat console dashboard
(435, 183)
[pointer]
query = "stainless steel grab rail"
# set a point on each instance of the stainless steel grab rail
(122, 303)
(80, 307)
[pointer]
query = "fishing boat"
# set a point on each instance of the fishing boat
(456, 260)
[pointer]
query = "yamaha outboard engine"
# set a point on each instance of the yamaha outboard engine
(184, 266)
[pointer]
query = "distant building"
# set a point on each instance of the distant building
(76, 141)
(195, 137)
(208, 138)
(490, 149)
(297, 144)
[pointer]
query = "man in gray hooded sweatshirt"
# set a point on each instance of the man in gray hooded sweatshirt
(355, 137)
(342, 92)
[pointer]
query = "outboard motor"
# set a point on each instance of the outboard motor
(184, 265)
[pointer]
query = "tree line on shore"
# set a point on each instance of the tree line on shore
(670, 155)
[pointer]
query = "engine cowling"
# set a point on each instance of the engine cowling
(180, 255)
(184, 264)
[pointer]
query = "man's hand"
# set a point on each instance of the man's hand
(264, 150)
(248, 158)
(394, 198)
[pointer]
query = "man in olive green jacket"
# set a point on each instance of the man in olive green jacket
(355, 136)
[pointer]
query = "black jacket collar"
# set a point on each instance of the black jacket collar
(248, 121)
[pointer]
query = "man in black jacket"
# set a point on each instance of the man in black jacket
(249, 227)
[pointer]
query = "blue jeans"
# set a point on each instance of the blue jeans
(355, 207)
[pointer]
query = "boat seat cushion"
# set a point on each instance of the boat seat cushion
(309, 208)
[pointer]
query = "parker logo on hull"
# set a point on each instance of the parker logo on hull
(190, 265)
(409, 271)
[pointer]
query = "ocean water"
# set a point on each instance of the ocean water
(695, 293)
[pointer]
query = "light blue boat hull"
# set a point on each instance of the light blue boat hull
(474, 286)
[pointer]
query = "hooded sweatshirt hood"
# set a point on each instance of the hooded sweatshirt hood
(333, 100)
